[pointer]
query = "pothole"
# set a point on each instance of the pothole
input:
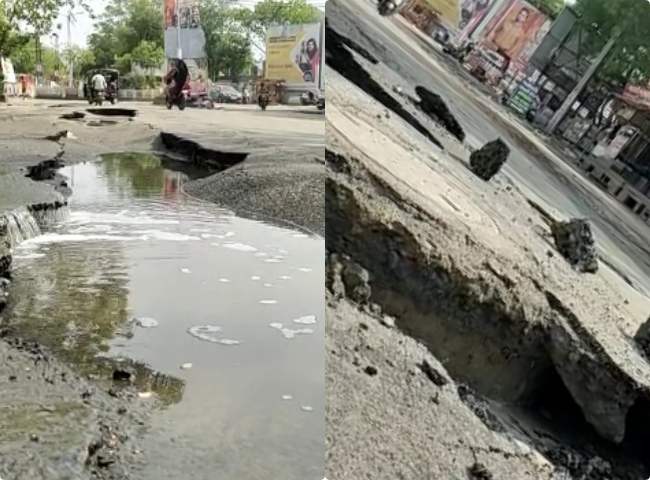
(483, 333)
(113, 112)
(200, 155)
(339, 58)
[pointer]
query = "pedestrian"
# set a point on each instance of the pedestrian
(23, 86)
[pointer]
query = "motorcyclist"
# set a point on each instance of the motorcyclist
(176, 78)
(98, 84)
(263, 95)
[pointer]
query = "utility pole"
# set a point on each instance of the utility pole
(586, 78)
(179, 51)
(322, 53)
(70, 59)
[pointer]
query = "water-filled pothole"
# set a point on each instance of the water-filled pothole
(133, 248)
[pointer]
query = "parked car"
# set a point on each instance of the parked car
(225, 94)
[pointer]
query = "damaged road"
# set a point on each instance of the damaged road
(91, 421)
(468, 270)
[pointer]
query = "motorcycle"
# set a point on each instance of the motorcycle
(263, 101)
(180, 100)
(98, 97)
(389, 7)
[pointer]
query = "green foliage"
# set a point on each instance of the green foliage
(148, 54)
(83, 59)
(550, 7)
(24, 58)
(128, 26)
(140, 82)
(228, 44)
(276, 12)
(21, 18)
(630, 19)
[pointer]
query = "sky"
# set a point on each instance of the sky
(84, 25)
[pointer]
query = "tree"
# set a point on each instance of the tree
(228, 44)
(123, 27)
(20, 18)
(276, 12)
(148, 54)
(629, 60)
(552, 8)
(83, 60)
(24, 58)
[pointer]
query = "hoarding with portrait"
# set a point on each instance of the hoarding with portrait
(293, 53)
(517, 31)
(472, 13)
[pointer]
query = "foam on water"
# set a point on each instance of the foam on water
(84, 217)
(306, 320)
(70, 237)
(268, 302)
(210, 333)
(166, 236)
(241, 247)
(290, 333)
(145, 322)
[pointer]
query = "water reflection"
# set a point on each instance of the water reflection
(134, 246)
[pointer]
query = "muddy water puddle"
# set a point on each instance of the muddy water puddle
(229, 310)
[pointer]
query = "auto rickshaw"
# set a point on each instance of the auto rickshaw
(112, 84)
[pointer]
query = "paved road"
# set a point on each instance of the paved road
(622, 238)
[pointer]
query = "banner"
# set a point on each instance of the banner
(183, 14)
(293, 53)
(448, 11)
(8, 70)
(518, 29)
(472, 13)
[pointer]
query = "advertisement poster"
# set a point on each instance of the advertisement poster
(472, 12)
(520, 27)
(448, 11)
(8, 70)
(293, 53)
(183, 14)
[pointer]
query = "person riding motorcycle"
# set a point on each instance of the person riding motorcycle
(263, 96)
(98, 85)
(175, 80)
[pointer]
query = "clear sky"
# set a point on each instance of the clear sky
(84, 25)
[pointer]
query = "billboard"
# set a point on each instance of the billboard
(517, 31)
(472, 12)
(183, 14)
(293, 53)
(448, 11)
